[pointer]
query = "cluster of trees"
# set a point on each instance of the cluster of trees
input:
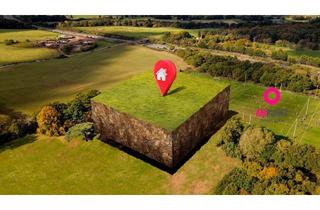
(72, 119)
(14, 125)
(232, 68)
(271, 164)
(12, 24)
(57, 118)
(305, 35)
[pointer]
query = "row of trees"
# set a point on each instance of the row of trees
(233, 42)
(232, 68)
(144, 22)
(271, 164)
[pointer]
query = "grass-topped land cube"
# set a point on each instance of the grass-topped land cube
(164, 128)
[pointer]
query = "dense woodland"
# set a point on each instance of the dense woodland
(271, 164)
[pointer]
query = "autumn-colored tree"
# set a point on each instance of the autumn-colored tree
(48, 121)
(268, 173)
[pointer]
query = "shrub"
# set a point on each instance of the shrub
(10, 42)
(279, 55)
(83, 131)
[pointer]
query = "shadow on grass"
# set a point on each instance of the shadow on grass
(17, 143)
(178, 89)
(160, 165)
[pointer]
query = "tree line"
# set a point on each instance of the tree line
(232, 68)
(229, 40)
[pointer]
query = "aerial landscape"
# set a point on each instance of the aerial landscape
(80, 112)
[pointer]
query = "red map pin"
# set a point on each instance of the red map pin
(164, 72)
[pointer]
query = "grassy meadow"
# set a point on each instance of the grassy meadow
(43, 165)
(140, 98)
(27, 87)
(24, 51)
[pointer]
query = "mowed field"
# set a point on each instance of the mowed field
(27, 87)
(23, 51)
(43, 165)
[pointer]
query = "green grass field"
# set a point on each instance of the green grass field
(23, 51)
(245, 99)
(27, 87)
(140, 98)
(310, 53)
(42, 165)
(133, 32)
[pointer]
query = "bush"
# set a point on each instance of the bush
(83, 131)
(279, 55)
(10, 42)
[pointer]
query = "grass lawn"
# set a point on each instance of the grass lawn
(23, 51)
(133, 32)
(27, 87)
(140, 98)
(42, 165)
(310, 53)
(245, 99)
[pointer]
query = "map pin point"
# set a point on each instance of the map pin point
(164, 72)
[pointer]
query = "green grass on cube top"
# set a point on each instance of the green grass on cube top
(140, 98)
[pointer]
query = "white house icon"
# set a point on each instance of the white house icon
(161, 74)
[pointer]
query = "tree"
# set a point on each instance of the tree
(48, 121)
(254, 141)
